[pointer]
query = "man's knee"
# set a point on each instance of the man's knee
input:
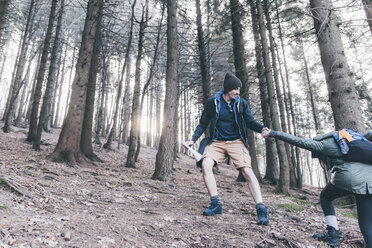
(247, 173)
(208, 164)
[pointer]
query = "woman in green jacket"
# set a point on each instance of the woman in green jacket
(347, 178)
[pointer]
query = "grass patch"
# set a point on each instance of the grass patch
(350, 215)
(345, 202)
(3, 181)
(302, 202)
(3, 207)
(290, 206)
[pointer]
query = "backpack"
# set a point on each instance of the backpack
(354, 146)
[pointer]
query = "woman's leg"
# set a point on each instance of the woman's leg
(328, 194)
(364, 206)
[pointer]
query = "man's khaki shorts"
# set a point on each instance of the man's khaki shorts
(218, 151)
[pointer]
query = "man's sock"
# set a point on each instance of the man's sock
(332, 221)
(215, 199)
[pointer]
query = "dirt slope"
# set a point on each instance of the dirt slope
(108, 205)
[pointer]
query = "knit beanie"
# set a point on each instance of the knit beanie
(231, 82)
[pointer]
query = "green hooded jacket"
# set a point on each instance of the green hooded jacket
(354, 177)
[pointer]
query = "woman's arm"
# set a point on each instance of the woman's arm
(311, 145)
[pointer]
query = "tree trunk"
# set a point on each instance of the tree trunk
(126, 104)
(32, 131)
(57, 107)
(341, 88)
(3, 14)
(203, 60)
(295, 152)
(86, 145)
(26, 81)
(165, 156)
(112, 133)
(150, 116)
(367, 5)
(283, 160)
(69, 142)
(272, 170)
(292, 174)
(51, 82)
(136, 111)
(242, 73)
(17, 83)
(149, 80)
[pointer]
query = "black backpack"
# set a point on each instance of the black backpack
(354, 146)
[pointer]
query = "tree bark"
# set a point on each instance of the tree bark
(3, 14)
(272, 170)
(51, 82)
(283, 160)
(295, 152)
(32, 131)
(149, 80)
(86, 145)
(134, 129)
(69, 142)
(242, 73)
(292, 174)
(203, 59)
(165, 156)
(17, 83)
(57, 107)
(341, 88)
(112, 133)
(367, 5)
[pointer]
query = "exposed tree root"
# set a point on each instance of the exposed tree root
(12, 187)
(74, 158)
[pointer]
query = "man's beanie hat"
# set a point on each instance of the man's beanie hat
(231, 82)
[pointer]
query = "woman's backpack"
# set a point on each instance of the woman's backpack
(354, 146)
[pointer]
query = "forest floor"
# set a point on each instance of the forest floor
(48, 204)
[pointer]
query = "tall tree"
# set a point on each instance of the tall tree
(341, 88)
(242, 73)
(68, 146)
(32, 131)
(295, 152)
(51, 82)
(3, 14)
(135, 123)
(165, 156)
(17, 83)
(272, 169)
(86, 146)
(112, 133)
(367, 5)
(203, 56)
(150, 77)
(283, 159)
(293, 177)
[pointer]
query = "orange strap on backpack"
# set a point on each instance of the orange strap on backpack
(343, 134)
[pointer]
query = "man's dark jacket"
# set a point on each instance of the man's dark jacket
(243, 117)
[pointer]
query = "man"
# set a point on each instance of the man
(229, 117)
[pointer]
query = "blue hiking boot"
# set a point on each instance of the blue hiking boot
(214, 208)
(262, 214)
(332, 236)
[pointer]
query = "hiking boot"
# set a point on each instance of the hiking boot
(332, 236)
(262, 214)
(214, 208)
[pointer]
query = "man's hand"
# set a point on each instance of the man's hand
(265, 132)
(189, 143)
